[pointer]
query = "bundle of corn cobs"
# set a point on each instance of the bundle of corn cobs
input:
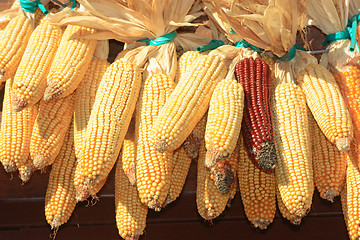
(244, 112)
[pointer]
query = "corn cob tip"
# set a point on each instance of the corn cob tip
(9, 168)
(52, 93)
(343, 144)
(261, 223)
(55, 223)
(25, 175)
(154, 204)
(136, 237)
(210, 213)
(295, 220)
(192, 146)
(223, 177)
(39, 162)
(213, 156)
(330, 195)
(267, 155)
(82, 193)
(18, 103)
(160, 146)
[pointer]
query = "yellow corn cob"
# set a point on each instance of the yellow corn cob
(350, 196)
(257, 190)
(70, 62)
(179, 173)
(153, 169)
(223, 173)
(224, 121)
(128, 154)
(130, 212)
(60, 194)
(51, 125)
(188, 103)
(108, 123)
(294, 219)
(13, 44)
(349, 83)
(329, 164)
(294, 173)
(30, 78)
(192, 142)
(184, 63)
(26, 170)
(15, 133)
(210, 202)
(328, 107)
(85, 98)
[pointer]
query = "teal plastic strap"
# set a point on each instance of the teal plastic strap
(73, 4)
(212, 45)
(336, 36)
(160, 40)
(348, 33)
(232, 31)
(32, 6)
(351, 28)
(291, 54)
(245, 44)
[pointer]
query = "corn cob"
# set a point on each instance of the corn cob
(257, 190)
(30, 78)
(294, 173)
(188, 103)
(210, 202)
(128, 153)
(294, 219)
(108, 123)
(254, 75)
(324, 100)
(329, 164)
(121, 54)
(70, 62)
(223, 173)
(51, 125)
(224, 121)
(15, 133)
(60, 195)
(350, 196)
(85, 98)
(12, 45)
(179, 173)
(191, 144)
(153, 169)
(130, 212)
(26, 170)
(184, 63)
(349, 84)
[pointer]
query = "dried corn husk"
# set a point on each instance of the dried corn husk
(331, 16)
(135, 20)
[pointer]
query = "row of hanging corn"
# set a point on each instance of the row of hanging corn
(275, 128)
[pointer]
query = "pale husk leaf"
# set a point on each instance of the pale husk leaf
(270, 25)
(329, 16)
(102, 49)
(354, 8)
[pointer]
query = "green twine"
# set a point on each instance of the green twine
(291, 54)
(245, 44)
(213, 44)
(348, 33)
(160, 40)
(32, 6)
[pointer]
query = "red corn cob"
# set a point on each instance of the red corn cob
(254, 75)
